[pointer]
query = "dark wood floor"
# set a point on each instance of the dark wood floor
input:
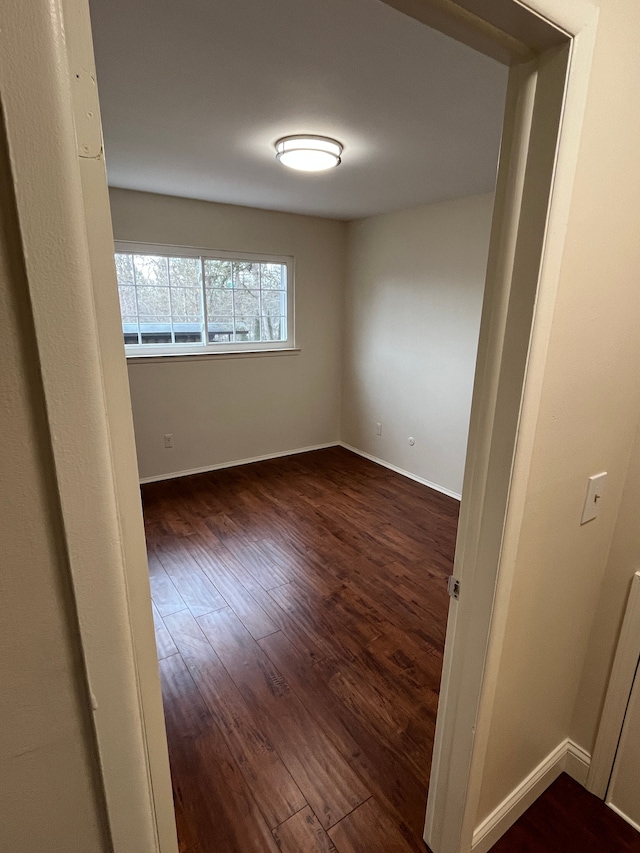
(568, 819)
(300, 609)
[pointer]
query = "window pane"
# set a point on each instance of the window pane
(274, 303)
(273, 328)
(217, 273)
(184, 272)
(161, 299)
(127, 301)
(149, 321)
(247, 302)
(185, 301)
(187, 330)
(220, 328)
(220, 302)
(155, 330)
(274, 276)
(151, 270)
(153, 300)
(247, 328)
(124, 268)
(246, 275)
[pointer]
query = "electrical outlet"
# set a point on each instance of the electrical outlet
(378, 429)
(168, 441)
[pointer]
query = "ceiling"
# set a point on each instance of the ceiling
(195, 93)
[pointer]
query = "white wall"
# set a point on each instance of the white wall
(623, 561)
(411, 284)
(587, 422)
(222, 410)
(413, 301)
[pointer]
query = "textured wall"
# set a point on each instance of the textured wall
(414, 293)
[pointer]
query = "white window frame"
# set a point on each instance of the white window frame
(207, 348)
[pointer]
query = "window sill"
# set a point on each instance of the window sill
(190, 356)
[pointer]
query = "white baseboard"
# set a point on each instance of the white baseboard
(174, 474)
(624, 817)
(206, 468)
(577, 763)
(402, 471)
(567, 756)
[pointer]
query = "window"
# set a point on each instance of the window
(178, 301)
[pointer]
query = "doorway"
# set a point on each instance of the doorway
(419, 275)
(109, 365)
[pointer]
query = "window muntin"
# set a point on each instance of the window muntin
(176, 300)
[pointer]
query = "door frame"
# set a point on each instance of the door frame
(621, 683)
(50, 104)
(548, 45)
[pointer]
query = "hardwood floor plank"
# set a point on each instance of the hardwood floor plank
(373, 707)
(214, 797)
(223, 527)
(163, 592)
(186, 839)
(264, 570)
(243, 604)
(164, 644)
(173, 517)
(337, 567)
(387, 774)
(566, 818)
(308, 566)
(195, 588)
(322, 580)
(303, 833)
(411, 600)
(273, 789)
(369, 828)
(297, 633)
(324, 777)
(374, 687)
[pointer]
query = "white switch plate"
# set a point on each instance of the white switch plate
(595, 490)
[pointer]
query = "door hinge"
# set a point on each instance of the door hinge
(87, 114)
(453, 587)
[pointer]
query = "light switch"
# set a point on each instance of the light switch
(593, 499)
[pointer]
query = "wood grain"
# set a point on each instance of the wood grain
(312, 671)
(273, 789)
(369, 828)
(195, 588)
(219, 571)
(304, 719)
(303, 833)
(567, 817)
(165, 596)
(327, 781)
(214, 799)
(164, 644)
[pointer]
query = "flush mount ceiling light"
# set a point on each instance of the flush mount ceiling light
(308, 153)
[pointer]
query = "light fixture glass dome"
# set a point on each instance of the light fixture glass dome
(308, 153)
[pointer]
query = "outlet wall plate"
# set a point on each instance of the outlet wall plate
(593, 498)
